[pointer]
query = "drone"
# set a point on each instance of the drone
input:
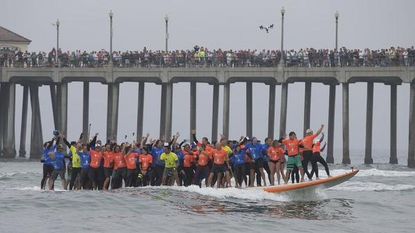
(266, 28)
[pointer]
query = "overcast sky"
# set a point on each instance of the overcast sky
(230, 24)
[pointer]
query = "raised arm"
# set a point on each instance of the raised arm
(324, 147)
(320, 130)
(194, 136)
(322, 137)
(66, 141)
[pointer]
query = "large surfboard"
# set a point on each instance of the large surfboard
(322, 183)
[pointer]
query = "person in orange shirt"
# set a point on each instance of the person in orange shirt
(317, 149)
(307, 144)
(120, 167)
(188, 164)
(131, 161)
(276, 157)
(220, 163)
(108, 156)
(146, 160)
(96, 158)
(292, 145)
(202, 168)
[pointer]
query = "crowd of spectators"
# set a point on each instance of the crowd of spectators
(203, 57)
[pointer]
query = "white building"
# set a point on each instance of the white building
(12, 41)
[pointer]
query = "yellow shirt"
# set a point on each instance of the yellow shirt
(76, 160)
(170, 159)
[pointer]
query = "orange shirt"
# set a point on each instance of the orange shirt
(316, 147)
(219, 156)
(204, 158)
(189, 159)
(119, 161)
(96, 158)
(292, 147)
(108, 159)
(131, 160)
(307, 142)
(275, 153)
(146, 160)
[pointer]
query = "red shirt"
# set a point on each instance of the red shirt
(219, 156)
(146, 161)
(307, 142)
(119, 161)
(189, 159)
(292, 147)
(204, 158)
(108, 159)
(275, 153)
(131, 160)
(316, 147)
(96, 157)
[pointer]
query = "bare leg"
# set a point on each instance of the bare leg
(209, 182)
(302, 174)
(219, 180)
(271, 166)
(278, 171)
(261, 170)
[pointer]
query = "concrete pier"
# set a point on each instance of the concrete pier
(411, 141)
(62, 97)
(346, 152)
(192, 108)
(249, 111)
(226, 110)
(393, 118)
(36, 138)
(307, 106)
(169, 111)
(369, 124)
(112, 111)
(330, 127)
(140, 110)
(163, 111)
(22, 149)
(271, 111)
(54, 100)
(215, 112)
(85, 112)
(3, 115)
(283, 112)
(9, 149)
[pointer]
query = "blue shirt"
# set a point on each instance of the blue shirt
(85, 159)
(48, 160)
(255, 151)
(180, 155)
(156, 153)
(265, 152)
(59, 162)
(239, 158)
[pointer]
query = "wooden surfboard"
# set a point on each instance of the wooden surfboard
(322, 183)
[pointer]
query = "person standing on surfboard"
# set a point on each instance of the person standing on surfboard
(317, 149)
(307, 144)
(292, 145)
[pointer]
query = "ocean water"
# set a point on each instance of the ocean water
(381, 198)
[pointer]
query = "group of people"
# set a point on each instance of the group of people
(90, 164)
(204, 57)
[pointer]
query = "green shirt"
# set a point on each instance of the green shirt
(76, 160)
(170, 159)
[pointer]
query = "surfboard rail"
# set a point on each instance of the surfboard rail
(325, 182)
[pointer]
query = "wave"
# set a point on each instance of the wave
(357, 186)
(374, 172)
(35, 188)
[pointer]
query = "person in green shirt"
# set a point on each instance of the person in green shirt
(170, 169)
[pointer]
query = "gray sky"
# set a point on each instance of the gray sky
(219, 24)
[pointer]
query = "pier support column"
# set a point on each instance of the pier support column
(36, 138)
(330, 128)
(369, 123)
(215, 112)
(192, 108)
(62, 107)
(411, 142)
(393, 138)
(140, 110)
(226, 110)
(249, 109)
(54, 99)
(346, 152)
(3, 114)
(85, 112)
(9, 149)
(163, 110)
(112, 111)
(307, 106)
(169, 110)
(283, 112)
(271, 111)
(23, 128)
